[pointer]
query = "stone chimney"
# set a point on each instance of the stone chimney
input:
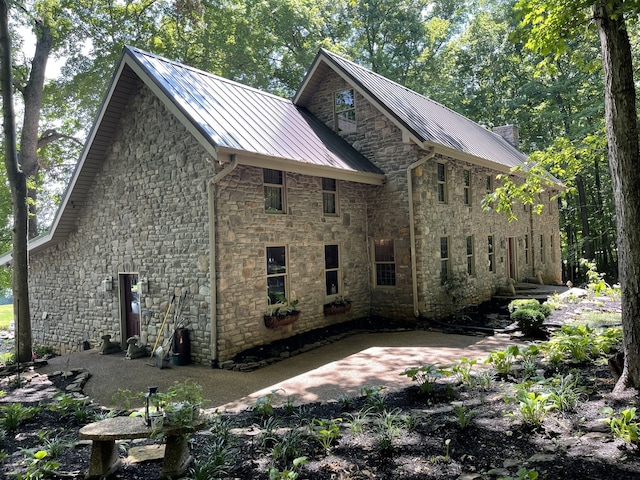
(509, 133)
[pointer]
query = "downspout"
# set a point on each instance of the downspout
(211, 190)
(412, 228)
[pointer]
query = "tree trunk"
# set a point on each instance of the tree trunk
(18, 185)
(31, 122)
(587, 244)
(624, 161)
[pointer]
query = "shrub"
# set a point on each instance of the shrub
(529, 314)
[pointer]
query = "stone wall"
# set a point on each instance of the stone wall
(146, 214)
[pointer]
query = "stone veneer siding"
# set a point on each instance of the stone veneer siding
(146, 214)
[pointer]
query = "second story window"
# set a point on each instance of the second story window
(345, 111)
(467, 187)
(489, 184)
(442, 183)
(273, 191)
(329, 196)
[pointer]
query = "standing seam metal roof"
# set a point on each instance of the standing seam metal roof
(429, 120)
(243, 118)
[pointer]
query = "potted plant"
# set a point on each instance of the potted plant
(180, 404)
(337, 306)
(284, 312)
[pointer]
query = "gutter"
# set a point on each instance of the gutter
(211, 190)
(412, 228)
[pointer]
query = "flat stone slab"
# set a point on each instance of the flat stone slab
(146, 453)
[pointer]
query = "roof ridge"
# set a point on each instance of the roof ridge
(138, 51)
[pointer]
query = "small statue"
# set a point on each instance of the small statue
(108, 346)
(134, 348)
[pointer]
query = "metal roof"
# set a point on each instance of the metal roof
(428, 121)
(242, 118)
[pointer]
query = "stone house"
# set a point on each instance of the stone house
(358, 188)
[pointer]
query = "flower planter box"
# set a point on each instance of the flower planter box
(275, 321)
(336, 309)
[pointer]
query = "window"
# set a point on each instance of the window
(329, 196)
(332, 269)
(467, 187)
(553, 250)
(491, 251)
(489, 184)
(526, 249)
(471, 267)
(276, 274)
(385, 262)
(273, 191)
(442, 183)
(345, 111)
(444, 259)
(542, 259)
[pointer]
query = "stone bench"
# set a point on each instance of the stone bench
(104, 453)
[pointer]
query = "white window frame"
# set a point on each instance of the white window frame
(389, 265)
(326, 194)
(441, 182)
(344, 114)
(270, 274)
(491, 251)
(445, 259)
(272, 187)
(471, 261)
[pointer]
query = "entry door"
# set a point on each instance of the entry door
(130, 303)
(511, 258)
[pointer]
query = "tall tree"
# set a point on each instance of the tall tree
(18, 184)
(550, 22)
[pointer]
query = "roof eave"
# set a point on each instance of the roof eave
(299, 166)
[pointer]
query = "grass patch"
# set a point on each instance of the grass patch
(6, 316)
(596, 319)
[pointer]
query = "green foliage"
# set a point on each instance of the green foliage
(528, 320)
(533, 406)
(374, 397)
(215, 463)
(566, 393)
(502, 360)
(580, 343)
(462, 369)
(523, 474)
(288, 446)
(624, 426)
(38, 467)
(287, 474)
(6, 316)
(426, 376)
(326, 432)
(15, 414)
(69, 406)
(464, 416)
(263, 406)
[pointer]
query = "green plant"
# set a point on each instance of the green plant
(287, 474)
(483, 378)
(502, 360)
(281, 307)
(288, 447)
(15, 414)
(71, 407)
(596, 280)
(359, 419)
(37, 468)
(566, 393)
(533, 406)
(426, 376)
(374, 397)
(447, 444)
(624, 425)
(529, 314)
(464, 416)
(326, 432)
(263, 406)
(269, 432)
(462, 369)
(215, 463)
(122, 398)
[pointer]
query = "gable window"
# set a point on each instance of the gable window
(384, 259)
(276, 274)
(329, 196)
(273, 191)
(345, 111)
(471, 267)
(332, 269)
(542, 256)
(489, 184)
(467, 187)
(444, 259)
(442, 183)
(491, 252)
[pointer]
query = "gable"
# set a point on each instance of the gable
(422, 120)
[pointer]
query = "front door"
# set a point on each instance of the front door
(130, 303)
